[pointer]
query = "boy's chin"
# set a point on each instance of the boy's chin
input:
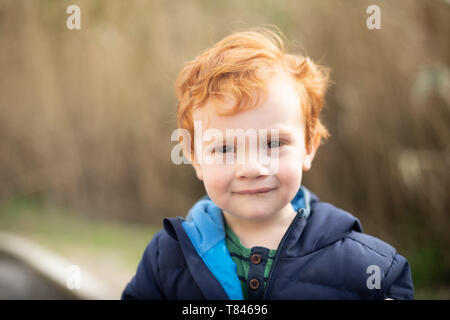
(252, 214)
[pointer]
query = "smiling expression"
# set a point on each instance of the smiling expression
(252, 189)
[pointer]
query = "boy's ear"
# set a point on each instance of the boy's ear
(311, 151)
(198, 171)
(189, 155)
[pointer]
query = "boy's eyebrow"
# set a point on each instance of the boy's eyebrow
(280, 132)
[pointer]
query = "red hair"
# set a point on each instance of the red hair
(238, 65)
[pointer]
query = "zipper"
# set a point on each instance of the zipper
(300, 214)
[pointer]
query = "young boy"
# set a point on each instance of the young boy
(259, 234)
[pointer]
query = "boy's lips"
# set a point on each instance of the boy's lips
(255, 191)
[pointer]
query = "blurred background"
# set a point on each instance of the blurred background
(86, 118)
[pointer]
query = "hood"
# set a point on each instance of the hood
(316, 224)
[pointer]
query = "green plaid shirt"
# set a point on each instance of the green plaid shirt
(241, 255)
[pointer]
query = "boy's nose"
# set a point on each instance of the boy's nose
(254, 170)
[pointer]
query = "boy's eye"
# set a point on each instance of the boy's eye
(274, 144)
(224, 149)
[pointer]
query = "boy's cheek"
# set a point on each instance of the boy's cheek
(290, 172)
(216, 178)
(292, 162)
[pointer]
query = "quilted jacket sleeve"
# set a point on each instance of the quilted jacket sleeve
(397, 283)
(145, 283)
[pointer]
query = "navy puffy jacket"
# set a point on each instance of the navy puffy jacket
(323, 255)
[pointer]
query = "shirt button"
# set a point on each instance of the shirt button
(256, 258)
(254, 284)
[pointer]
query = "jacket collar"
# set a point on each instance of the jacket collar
(202, 237)
(205, 230)
(207, 219)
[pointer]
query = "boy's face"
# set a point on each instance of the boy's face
(249, 189)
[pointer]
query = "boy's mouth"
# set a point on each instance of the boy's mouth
(255, 191)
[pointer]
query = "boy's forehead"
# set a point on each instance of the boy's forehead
(278, 108)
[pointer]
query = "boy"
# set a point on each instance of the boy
(259, 234)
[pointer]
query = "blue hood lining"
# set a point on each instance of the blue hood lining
(205, 228)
